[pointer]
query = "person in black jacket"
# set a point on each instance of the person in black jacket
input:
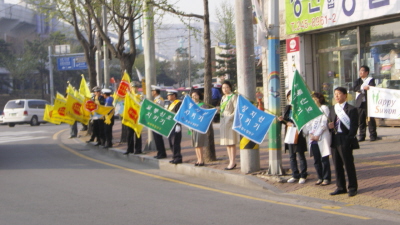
(176, 134)
(343, 126)
(361, 86)
(295, 149)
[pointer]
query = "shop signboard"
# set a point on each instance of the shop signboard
(302, 16)
(293, 58)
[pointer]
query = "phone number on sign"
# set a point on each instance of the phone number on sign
(313, 22)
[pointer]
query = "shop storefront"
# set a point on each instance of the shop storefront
(340, 36)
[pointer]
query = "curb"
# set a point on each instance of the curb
(247, 181)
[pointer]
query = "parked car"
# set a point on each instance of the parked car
(1, 117)
(24, 111)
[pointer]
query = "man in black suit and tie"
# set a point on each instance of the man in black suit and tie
(361, 85)
(343, 125)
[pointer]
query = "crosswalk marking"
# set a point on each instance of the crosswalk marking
(20, 136)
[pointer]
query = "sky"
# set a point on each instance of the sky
(197, 7)
(190, 6)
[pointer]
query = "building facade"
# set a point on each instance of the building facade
(337, 37)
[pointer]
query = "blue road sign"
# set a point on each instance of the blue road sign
(71, 63)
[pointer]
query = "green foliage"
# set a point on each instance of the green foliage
(226, 64)
(225, 31)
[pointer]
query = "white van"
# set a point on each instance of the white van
(21, 111)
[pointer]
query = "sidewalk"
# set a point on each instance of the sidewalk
(377, 164)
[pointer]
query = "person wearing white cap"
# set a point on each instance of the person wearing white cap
(108, 127)
(158, 139)
(98, 122)
(176, 135)
(134, 142)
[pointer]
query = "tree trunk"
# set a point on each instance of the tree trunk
(209, 153)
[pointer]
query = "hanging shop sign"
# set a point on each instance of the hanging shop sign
(302, 16)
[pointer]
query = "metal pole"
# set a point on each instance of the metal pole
(51, 77)
(98, 68)
(149, 60)
(274, 98)
(190, 60)
(249, 151)
(105, 49)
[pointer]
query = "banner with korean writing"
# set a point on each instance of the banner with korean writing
(156, 118)
(193, 116)
(310, 15)
(251, 122)
(383, 103)
(304, 108)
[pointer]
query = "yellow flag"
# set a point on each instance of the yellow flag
(59, 112)
(70, 90)
(123, 88)
(84, 89)
(60, 96)
(85, 112)
(47, 116)
(131, 113)
(74, 108)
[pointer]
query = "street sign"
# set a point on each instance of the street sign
(71, 63)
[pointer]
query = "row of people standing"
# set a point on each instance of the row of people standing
(102, 132)
(334, 132)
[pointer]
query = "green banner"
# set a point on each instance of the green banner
(156, 118)
(303, 106)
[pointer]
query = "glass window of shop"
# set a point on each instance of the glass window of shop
(382, 54)
(338, 56)
(337, 61)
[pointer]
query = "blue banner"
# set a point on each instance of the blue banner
(251, 122)
(193, 116)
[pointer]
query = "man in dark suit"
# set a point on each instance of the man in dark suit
(343, 125)
(361, 85)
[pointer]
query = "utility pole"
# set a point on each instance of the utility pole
(274, 98)
(249, 151)
(149, 59)
(190, 61)
(105, 49)
(51, 79)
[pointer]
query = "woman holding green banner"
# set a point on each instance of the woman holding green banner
(319, 141)
(228, 135)
(296, 149)
(199, 140)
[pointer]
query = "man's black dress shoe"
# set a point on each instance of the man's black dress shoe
(176, 161)
(361, 139)
(89, 141)
(372, 139)
(338, 192)
(352, 193)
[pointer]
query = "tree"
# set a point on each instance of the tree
(225, 32)
(210, 150)
(226, 63)
(75, 14)
(123, 14)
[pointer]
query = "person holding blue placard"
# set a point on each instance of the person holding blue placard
(227, 112)
(199, 140)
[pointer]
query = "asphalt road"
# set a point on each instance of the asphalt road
(44, 180)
